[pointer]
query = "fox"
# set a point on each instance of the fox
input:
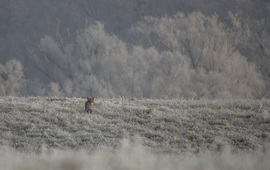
(89, 105)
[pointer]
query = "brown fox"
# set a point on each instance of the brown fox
(89, 104)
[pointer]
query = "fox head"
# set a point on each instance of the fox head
(91, 100)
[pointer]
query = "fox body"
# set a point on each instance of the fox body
(89, 104)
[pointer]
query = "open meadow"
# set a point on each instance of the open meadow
(55, 133)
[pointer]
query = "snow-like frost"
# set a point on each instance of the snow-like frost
(56, 133)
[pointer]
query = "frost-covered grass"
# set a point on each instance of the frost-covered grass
(56, 133)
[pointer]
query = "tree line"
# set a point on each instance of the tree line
(188, 54)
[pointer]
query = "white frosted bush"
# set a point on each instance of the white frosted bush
(11, 78)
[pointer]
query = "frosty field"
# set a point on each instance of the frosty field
(56, 133)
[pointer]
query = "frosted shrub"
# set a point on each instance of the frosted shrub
(10, 77)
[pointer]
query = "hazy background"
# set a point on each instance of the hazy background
(138, 48)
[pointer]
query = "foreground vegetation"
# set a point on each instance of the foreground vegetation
(134, 134)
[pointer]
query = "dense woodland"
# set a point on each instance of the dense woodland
(138, 48)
